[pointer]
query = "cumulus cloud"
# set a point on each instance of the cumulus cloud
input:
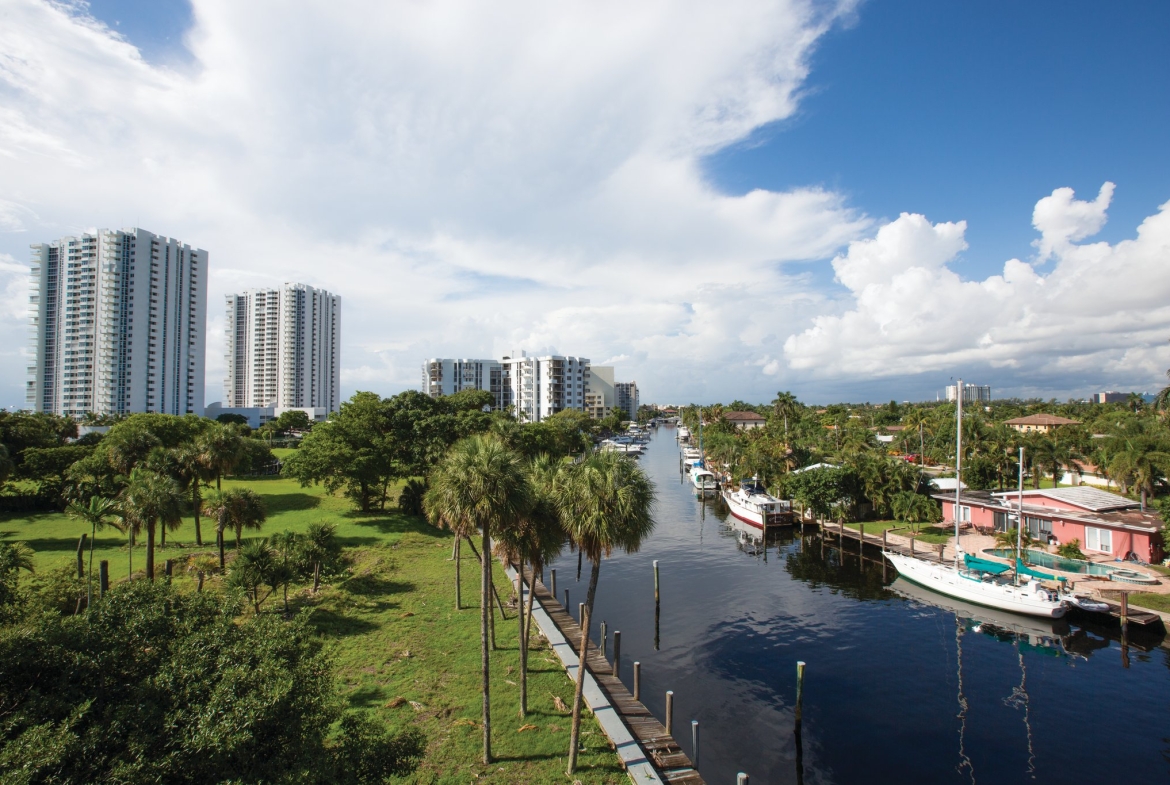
(467, 176)
(1101, 313)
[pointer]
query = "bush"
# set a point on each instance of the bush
(1071, 550)
(410, 501)
(159, 686)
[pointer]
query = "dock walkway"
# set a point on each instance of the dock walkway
(671, 764)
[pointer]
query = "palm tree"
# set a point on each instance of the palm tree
(192, 472)
(1135, 402)
(318, 546)
(1140, 463)
(219, 450)
(127, 450)
(287, 545)
(235, 509)
(148, 500)
(481, 484)
(1052, 454)
(536, 539)
(98, 513)
(439, 512)
(785, 405)
(257, 565)
(1008, 540)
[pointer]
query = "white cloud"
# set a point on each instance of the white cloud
(467, 176)
(1102, 313)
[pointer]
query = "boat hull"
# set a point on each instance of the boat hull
(944, 579)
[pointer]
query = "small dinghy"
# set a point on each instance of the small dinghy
(1086, 603)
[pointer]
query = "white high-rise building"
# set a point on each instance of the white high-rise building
(537, 387)
(628, 399)
(119, 324)
(446, 376)
(972, 393)
(283, 348)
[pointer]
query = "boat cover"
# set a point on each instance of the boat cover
(984, 565)
(1024, 569)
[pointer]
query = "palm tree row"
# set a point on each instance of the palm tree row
(529, 510)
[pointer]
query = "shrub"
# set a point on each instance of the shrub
(1071, 550)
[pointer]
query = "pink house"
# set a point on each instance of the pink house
(1105, 524)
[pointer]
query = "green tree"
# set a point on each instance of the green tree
(319, 550)
(148, 500)
(785, 406)
(481, 484)
(14, 557)
(256, 565)
(99, 513)
(220, 449)
(235, 509)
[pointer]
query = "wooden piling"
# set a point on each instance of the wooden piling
(553, 573)
(799, 692)
(604, 636)
(695, 743)
(81, 556)
(567, 605)
(656, 581)
(885, 539)
(637, 680)
(617, 654)
(911, 546)
(861, 536)
(669, 724)
(581, 617)
(103, 577)
(741, 779)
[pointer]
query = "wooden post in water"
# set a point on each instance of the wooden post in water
(103, 577)
(669, 712)
(617, 654)
(885, 539)
(581, 619)
(656, 581)
(578, 565)
(942, 546)
(553, 573)
(695, 743)
(81, 556)
(604, 641)
(799, 712)
(1124, 629)
(741, 779)
(637, 680)
(567, 606)
(861, 535)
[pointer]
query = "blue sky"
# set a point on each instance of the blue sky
(707, 197)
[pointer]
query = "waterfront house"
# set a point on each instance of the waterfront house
(1105, 524)
(1039, 423)
(745, 420)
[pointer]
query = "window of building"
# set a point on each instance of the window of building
(1098, 539)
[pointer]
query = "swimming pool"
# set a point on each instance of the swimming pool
(1054, 562)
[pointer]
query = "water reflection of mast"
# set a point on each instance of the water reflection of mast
(1019, 698)
(964, 761)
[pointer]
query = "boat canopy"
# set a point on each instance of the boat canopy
(1024, 569)
(984, 565)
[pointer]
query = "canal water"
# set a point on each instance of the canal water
(902, 685)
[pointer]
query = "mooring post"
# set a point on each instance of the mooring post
(604, 641)
(741, 779)
(695, 742)
(103, 577)
(1124, 609)
(861, 534)
(553, 573)
(911, 546)
(799, 692)
(578, 565)
(942, 546)
(617, 654)
(581, 618)
(637, 680)
(669, 711)
(81, 556)
(885, 539)
(567, 606)
(656, 581)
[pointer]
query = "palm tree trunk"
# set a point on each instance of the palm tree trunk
(219, 538)
(150, 551)
(316, 576)
(89, 572)
(195, 503)
(578, 565)
(130, 551)
(458, 583)
(485, 614)
(286, 598)
(239, 534)
(163, 535)
(575, 733)
(523, 647)
(593, 573)
(528, 616)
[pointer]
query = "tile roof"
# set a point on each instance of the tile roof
(1042, 419)
(743, 416)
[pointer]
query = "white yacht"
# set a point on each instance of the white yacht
(704, 481)
(976, 580)
(753, 505)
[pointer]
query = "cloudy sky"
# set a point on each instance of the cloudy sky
(851, 200)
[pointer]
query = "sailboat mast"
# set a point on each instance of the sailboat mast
(1020, 514)
(958, 466)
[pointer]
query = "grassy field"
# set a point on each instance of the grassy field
(1155, 602)
(402, 650)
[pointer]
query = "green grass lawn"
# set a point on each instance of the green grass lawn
(402, 650)
(1155, 602)
(926, 532)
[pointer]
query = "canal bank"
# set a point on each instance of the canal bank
(882, 700)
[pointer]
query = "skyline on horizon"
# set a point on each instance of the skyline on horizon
(849, 200)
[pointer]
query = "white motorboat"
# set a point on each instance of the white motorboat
(1086, 603)
(704, 481)
(977, 580)
(753, 505)
(626, 448)
(684, 433)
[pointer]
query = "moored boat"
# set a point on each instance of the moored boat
(753, 505)
(704, 481)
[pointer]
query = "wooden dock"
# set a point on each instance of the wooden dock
(925, 551)
(661, 749)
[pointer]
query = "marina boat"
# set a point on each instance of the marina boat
(684, 433)
(626, 448)
(753, 505)
(976, 580)
(704, 481)
(1038, 631)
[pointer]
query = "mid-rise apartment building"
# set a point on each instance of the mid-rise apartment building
(536, 387)
(445, 376)
(283, 348)
(972, 393)
(119, 324)
(628, 399)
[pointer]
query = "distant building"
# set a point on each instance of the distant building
(746, 420)
(119, 324)
(972, 393)
(601, 395)
(445, 376)
(1110, 397)
(283, 349)
(537, 387)
(258, 415)
(627, 398)
(1039, 423)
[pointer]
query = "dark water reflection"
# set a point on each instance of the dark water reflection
(885, 699)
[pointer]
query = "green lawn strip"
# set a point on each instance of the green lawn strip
(1155, 602)
(876, 527)
(927, 533)
(399, 597)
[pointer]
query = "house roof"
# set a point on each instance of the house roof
(1134, 520)
(1084, 496)
(1042, 419)
(744, 416)
(946, 483)
(816, 466)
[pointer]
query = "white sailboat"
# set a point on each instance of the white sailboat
(977, 580)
